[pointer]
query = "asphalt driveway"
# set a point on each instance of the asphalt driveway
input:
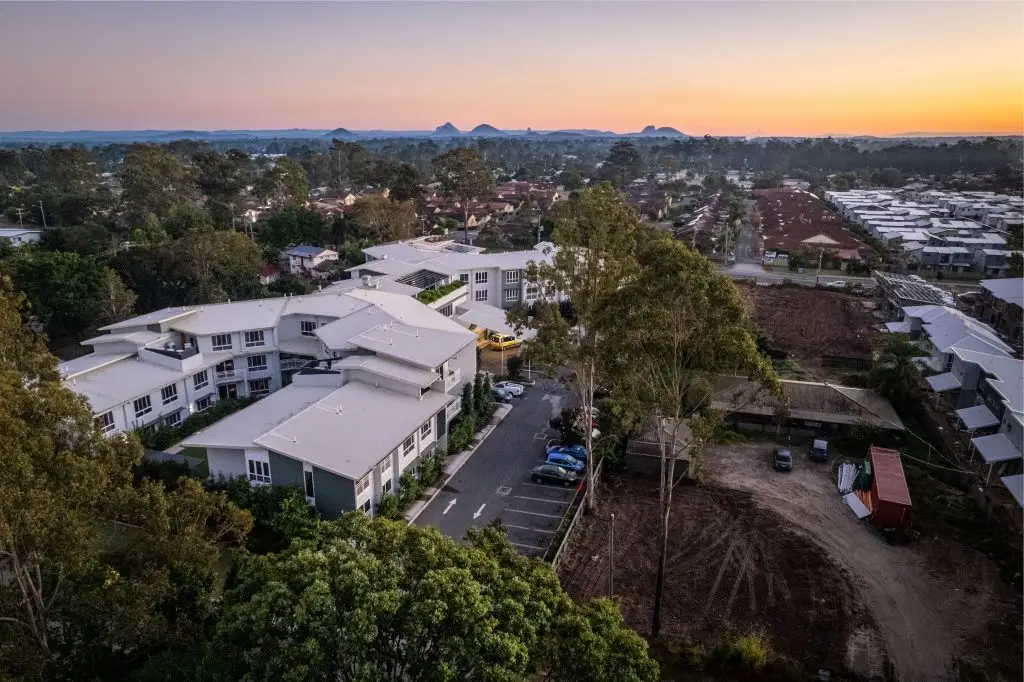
(495, 482)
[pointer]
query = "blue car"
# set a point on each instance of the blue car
(566, 461)
(577, 451)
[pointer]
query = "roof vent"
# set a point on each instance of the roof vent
(339, 409)
(294, 439)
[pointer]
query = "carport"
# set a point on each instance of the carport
(996, 451)
(977, 417)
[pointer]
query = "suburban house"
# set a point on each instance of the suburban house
(157, 369)
(269, 274)
(1000, 305)
(17, 236)
(938, 329)
(304, 260)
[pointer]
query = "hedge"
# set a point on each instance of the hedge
(166, 436)
(431, 295)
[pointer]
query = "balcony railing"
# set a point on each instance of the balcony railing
(229, 376)
(288, 364)
(452, 379)
(452, 410)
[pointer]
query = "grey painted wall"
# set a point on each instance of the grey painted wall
(335, 494)
(285, 470)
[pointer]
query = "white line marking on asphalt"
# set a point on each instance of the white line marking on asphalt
(532, 530)
(519, 544)
(450, 504)
(520, 511)
(504, 490)
(478, 512)
(546, 487)
(541, 499)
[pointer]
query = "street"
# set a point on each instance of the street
(494, 483)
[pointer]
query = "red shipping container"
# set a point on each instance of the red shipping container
(890, 497)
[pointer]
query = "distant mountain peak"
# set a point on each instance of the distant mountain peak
(446, 129)
(486, 129)
(665, 131)
(340, 132)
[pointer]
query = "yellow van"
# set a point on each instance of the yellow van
(503, 341)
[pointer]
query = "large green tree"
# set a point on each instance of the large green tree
(674, 330)
(623, 165)
(464, 177)
(61, 287)
(293, 225)
(595, 232)
(97, 573)
(380, 219)
(894, 370)
(380, 600)
(153, 180)
(286, 183)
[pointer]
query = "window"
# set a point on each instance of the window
(464, 277)
(362, 484)
(204, 403)
(385, 487)
(384, 468)
(259, 471)
(259, 387)
(257, 363)
(307, 477)
(172, 419)
(201, 379)
(446, 310)
(512, 277)
(306, 327)
(221, 341)
(253, 339)
(532, 292)
(408, 445)
(169, 394)
(143, 406)
(480, 295)
(427, 428)
(480, 277)
(511, 295)
(366, 508)
(106, 422)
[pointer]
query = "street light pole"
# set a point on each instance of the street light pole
(821, 252)
(611, 558)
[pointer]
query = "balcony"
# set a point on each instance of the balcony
(228, 377)
(452, 410)
(453, 379)
(289, 364)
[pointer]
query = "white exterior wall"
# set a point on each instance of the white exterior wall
(226, 462)
(1013, 429)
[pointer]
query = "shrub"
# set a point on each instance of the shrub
(431, 295)
(753, 650)
(514, 366)
(408, 490)
(387, 507)
(164, 437)
(431, 469)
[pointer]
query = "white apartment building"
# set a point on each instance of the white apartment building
(18, 236)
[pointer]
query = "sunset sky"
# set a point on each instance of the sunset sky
(772, 68)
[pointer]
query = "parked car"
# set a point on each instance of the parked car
(501, 395)
(503, 341)
(566, 461)
(578, 451)
(782, 459)
(552, 473)
(818, 451)
(838, 284)
(511, 387)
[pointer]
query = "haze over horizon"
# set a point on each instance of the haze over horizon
(787, 69)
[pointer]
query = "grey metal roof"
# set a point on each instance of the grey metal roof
(1015, 484)
(943, 382)
(977, 417)
(351, 429)
(996, 448)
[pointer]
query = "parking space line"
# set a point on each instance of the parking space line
(540, 499)
(532, 530)
(546, 487)
(519, 544)
(520, 511)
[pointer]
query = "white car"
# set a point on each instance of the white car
(838, 284)
(510, 388)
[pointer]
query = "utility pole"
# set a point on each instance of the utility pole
(20, 212)
(43, 211)
(611, 558)
(821, 252)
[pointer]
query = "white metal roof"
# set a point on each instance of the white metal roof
(977, 417)
(122, 381)
(943, 382)
(352, 428)
(418, 345)
(1009, 290)
(389, 369)
(995, 448)
(242, 428)
(90, 362)
(1015, 484)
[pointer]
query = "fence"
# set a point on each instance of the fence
(561, 537)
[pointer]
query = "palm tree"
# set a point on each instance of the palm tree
(894, 373)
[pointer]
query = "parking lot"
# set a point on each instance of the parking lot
(494, 484)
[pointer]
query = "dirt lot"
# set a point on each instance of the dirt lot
(809, 323)
(789, 216)
(731, 564)
(782, 551)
